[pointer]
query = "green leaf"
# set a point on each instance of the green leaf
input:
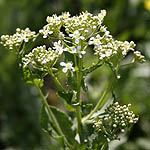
(38, 82)
(27, 75)
(62, 119)
(69, 107)
(32, 78)
(66, 96)
(69, 57)
(72, 80)
(65, 123)
(97, 141)
(46, 126)
(44, 121)
(60, 140)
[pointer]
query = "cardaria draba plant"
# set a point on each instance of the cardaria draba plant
(70, 39)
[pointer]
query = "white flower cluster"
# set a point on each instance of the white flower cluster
(41, 57)
(14, 41)
(106, 47)
(53, 27)
(115, 119)
(139, 57)
(85, 23)
(79, 32)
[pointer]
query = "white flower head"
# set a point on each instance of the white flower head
(67, 66)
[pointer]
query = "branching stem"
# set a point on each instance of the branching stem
(99, 105)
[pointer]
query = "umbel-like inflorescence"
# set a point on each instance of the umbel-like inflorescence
(79, 32)
(115, 119)
(41, 57)
(13, 42)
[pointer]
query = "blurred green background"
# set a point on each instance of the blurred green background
(19, 102)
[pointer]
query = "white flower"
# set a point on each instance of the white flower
(67, 66)
(50, 32)
(108, 53)
(91, 41)
(124, 52)
(76, 36)
(58, 47)
(81, 53)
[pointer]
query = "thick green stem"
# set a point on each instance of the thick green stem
(78, 109)
(51, 115)
(99, 105)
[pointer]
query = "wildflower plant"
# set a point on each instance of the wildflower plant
(70, 39)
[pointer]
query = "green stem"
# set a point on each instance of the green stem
(105, 146)
(78, 109)
(99, 105)
(59, 85)
(50, 113)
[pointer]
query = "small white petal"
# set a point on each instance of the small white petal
(77, 41)
(71, 35)
(82, 37)
(92, 38)
(44, 36)
(50, 32)
(124, 53)
(91, 42)
(74, 50)
(59, 42)
(26, 40)
(107, 32)
(76, 32)
(65, 70)
(79, 47)
(80, 56)
(19, 39)
(41, 30)
(73, 69)
(103, 55)
(60, 51)
(63, 64)
(83, 52)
